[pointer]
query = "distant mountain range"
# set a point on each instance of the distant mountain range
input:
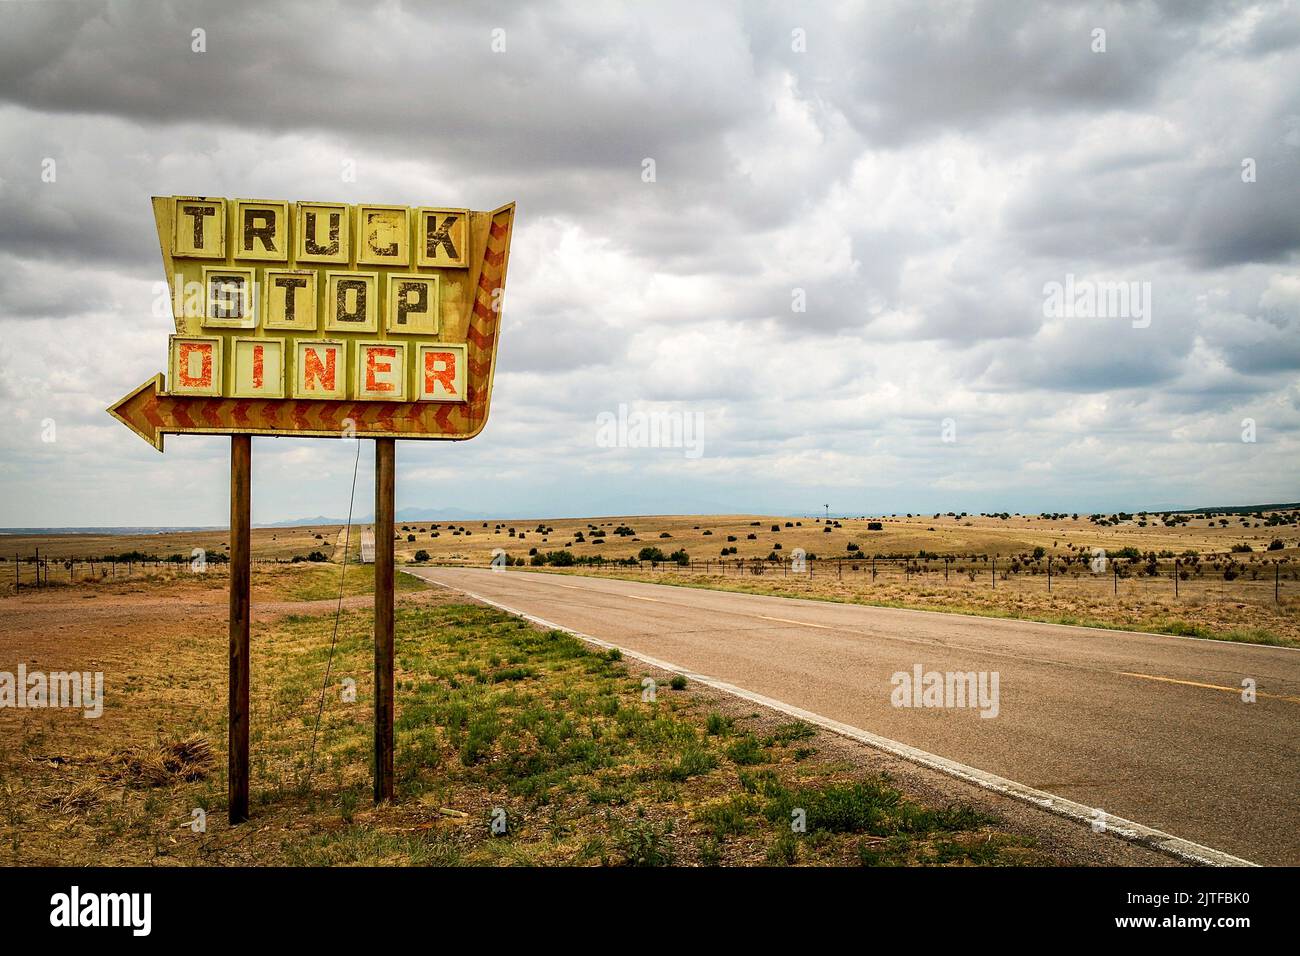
(402, 514)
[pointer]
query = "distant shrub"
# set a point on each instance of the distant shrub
(560, 559)
(875, 526)
(422, 555)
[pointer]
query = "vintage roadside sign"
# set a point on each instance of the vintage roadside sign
(325, 319)
(331, 320)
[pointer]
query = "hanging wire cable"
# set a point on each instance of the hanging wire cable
(338, 610)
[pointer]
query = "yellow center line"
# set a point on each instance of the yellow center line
(783, 620)
(1192, 683)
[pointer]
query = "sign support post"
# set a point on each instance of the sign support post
(241, 456)
(385, 453)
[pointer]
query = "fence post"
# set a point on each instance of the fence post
(995, 572)
(1176, 567)
(1114, 566)
(873, 568)
(1277, 582)
(1049, 574)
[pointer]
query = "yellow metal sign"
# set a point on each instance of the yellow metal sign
(325, 319)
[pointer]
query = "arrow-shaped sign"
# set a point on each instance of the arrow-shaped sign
(151, 413)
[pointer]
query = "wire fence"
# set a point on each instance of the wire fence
(1258, 579)
(33, 571)
(1254, 577)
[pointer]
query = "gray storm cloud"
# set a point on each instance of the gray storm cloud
(912, 176)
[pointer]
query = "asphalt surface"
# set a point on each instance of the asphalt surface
(1146, 727)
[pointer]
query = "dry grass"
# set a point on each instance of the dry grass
(162, 764)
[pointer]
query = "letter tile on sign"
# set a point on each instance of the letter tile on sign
(228, 301)
(194, 365)
(259, 368)
(289, 299)
(442, 238)
(322, 233)
(381, 371)
(412, 304)
(383, 236)
(351, 302)
(320, 369)
(261, 230)
(440, 373)
(200, 228)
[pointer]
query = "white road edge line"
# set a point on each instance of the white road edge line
(1127, 829)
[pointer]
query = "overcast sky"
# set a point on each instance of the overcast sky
(915, 175)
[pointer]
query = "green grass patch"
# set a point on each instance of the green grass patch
(494, 713)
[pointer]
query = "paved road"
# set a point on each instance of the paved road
(1141, 726)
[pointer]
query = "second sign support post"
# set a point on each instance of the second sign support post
(385, 452)
(241, 599)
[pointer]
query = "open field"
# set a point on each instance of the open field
(493, 716)
(269, 544)
(995, 566)
(703, 536)
(968, 564)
